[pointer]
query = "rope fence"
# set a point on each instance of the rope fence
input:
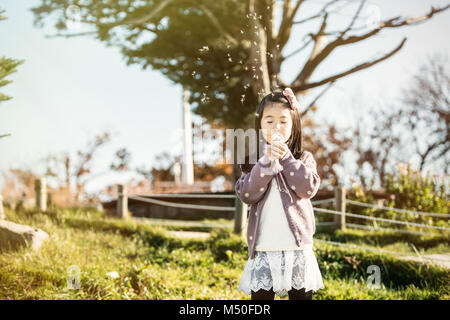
(368, 205)
(181, 205)
(349, 214)
(240, 210)
(363, 226)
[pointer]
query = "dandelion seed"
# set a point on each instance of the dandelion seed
(204, 98)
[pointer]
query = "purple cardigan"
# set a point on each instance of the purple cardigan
(302, 181)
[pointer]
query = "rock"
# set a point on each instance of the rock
(13, 236)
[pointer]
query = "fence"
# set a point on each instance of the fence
(240, 210)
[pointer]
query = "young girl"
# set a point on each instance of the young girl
(281, 222)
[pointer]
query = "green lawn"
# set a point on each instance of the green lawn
(153, 265)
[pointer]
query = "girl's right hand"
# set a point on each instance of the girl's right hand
(275, 151)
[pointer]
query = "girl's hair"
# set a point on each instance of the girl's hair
(295, 140)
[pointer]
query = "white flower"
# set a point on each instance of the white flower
(112, 275)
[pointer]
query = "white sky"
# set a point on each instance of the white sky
(69, 90)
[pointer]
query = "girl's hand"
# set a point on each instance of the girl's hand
(276, 150)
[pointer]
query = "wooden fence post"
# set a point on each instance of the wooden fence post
(40, 189)
(2, 213)
(339, 220)
(122, 202)
(49, 199)
(240, 217)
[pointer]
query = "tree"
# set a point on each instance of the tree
(227, 53)
(7, 67)
(418, 127)
(375, 143)
(61, 169)
(426, 112)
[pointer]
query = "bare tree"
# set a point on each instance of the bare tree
(375, 146)
(63, 169)
(426, 112)
(418, 127)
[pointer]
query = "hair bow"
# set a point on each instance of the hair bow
(287, 92)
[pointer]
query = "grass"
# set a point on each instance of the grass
(153, 265)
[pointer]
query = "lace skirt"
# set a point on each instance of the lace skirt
(282, 270)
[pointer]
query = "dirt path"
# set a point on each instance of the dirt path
(189, 234)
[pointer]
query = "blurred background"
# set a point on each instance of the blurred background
(96, 95)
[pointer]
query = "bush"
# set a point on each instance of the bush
(409, 189)
(224, 243)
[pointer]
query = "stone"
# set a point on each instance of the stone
(14, 236)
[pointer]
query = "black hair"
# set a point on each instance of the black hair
(295, 140)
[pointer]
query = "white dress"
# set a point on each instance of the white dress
(279, 263)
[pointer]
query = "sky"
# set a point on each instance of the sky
(69, 90)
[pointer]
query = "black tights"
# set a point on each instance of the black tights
(294, 294)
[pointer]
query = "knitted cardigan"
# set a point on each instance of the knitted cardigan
(299, 183)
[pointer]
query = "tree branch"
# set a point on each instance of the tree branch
(70, 35)
(317, 98)
(216, 23)
(318, 57)
(298, 50)
(287, 21)
(359, 67)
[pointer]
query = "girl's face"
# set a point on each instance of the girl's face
(276, 119)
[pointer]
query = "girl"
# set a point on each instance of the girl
(281, 222)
